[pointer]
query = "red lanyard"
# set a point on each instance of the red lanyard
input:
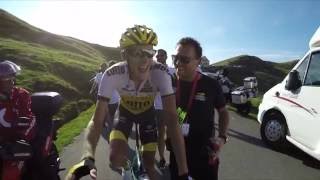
(193, 91)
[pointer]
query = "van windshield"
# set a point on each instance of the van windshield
(313, 74)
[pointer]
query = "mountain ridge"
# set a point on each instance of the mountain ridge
(268, 73)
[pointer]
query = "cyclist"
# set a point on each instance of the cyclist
(137, 80)
(15, 102)
(96, 79)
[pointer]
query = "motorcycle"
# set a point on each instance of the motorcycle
(40, 156)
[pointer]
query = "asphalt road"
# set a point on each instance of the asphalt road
(244, 157)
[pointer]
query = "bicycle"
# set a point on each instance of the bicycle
(135, 169)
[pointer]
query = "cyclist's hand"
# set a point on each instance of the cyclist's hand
(83, 168)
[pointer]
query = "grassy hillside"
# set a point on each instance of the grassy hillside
(226, 62)
(51, 62)
(267, 73)
(13, 28)
(286, 66)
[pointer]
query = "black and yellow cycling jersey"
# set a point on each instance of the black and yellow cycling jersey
(136, 99)
(137, 103)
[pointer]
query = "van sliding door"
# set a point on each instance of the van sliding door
(309, 96)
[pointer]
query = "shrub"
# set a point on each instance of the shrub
(72, 109)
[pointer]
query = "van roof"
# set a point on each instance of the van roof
(315, 40)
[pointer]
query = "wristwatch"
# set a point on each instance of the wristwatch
(224, 137)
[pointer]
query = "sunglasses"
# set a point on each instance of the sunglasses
(180, 59)
(142, 53)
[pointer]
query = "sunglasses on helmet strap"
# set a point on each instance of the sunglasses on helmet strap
(149, 53)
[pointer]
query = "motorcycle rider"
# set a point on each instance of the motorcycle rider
(15, 102)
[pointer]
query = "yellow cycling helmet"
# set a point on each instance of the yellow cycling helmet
(139, 34)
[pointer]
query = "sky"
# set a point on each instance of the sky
(274, 30)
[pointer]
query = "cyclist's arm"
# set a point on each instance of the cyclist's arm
(95, 127)
(174, 132)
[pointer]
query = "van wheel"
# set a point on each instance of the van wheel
(273, 131)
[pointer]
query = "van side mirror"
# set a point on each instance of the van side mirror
(294, 82)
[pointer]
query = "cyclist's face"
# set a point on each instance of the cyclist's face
(185, 61)
(139, 59)
(6, 84)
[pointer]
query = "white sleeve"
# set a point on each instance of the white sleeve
(162, 79)
(115, 98)
(108, 84)
(158, 102)
(98, 78)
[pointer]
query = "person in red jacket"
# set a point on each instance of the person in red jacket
(15, 103)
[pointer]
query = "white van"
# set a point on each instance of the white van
(291, 110)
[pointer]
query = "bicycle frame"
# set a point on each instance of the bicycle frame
(137, 169)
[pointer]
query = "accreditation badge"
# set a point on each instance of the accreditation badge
(185, 129)
(181, 115)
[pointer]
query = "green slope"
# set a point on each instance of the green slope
(51, 62)
(16, 29)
